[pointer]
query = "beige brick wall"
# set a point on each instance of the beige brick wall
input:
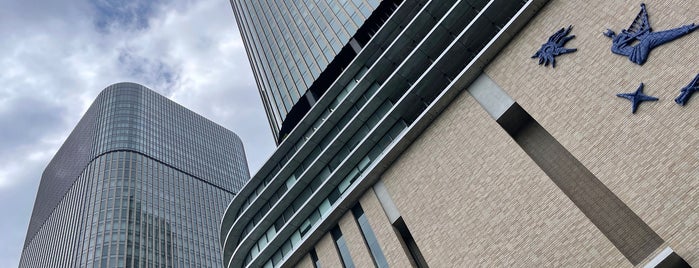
(472, 198)
(327, 252)
(355, 242)
(387, 237)
(305, 262)
(650, 159)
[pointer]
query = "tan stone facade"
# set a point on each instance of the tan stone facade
(327, 254)
(306, 262)
(648, 159)
(385, 234)
(484, 203)
(472, 197)
(357, 248)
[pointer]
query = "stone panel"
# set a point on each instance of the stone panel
(355, 242)
(305, 262)
(327, 252)
(650, 159)
(472, 198)
(385, 234)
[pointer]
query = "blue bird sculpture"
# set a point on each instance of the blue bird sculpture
(554, 47)
(687, 91)
(641, 32)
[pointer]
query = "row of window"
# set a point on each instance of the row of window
(325, 172)
(128, 210)
(315, 125)
(156, 228)
(285, 70)
(317, 181)
(302, 141)
(333, 163)
(156, 136)
(325, 206)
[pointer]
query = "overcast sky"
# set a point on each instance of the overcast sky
(56, 56)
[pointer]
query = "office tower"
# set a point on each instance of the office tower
(293, 73)
(140, 182)
(440, 142)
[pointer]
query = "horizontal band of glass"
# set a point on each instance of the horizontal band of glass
(323, 175)
(281, 191)
(267, 180)
(302, 141)
(325, 207)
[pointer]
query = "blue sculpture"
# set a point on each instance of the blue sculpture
(687, 91)
(641, 32)
(636, 98)
(554, 47)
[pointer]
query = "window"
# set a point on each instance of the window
(314, 258)
(342, 248)
(369, 238)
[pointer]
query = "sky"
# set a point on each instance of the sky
(56, 56)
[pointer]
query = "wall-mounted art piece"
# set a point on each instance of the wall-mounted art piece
(554, 47)
(688, 91)
(639, 39)
(636, 98)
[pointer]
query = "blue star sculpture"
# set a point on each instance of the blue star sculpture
(687, 91)
(641, 32)
(554, 47)
(636, 98)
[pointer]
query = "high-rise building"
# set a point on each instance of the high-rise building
(293, 73)
(438, 140)
(140, 182)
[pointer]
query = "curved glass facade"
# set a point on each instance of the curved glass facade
(140, 181)
(290, 43)
(417, 53)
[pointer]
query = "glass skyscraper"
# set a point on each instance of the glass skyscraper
(291, 44)
(140, 182)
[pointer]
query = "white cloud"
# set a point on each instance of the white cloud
(56, 59)
(4, 177)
